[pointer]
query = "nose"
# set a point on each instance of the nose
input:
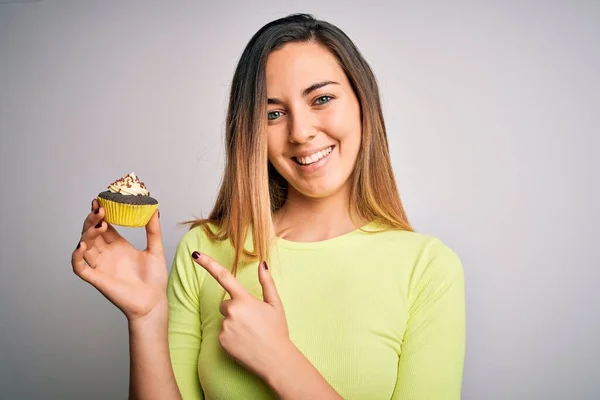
(302, 129)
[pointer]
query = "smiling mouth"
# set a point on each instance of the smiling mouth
(309, 160)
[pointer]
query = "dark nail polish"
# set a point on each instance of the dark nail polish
(99, 224)
(97, 210)
(78, 246)
(265, 266)
(196, 255)
(158, 213)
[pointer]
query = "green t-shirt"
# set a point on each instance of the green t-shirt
(380, 315)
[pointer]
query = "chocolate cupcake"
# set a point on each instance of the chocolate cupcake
(127, 202)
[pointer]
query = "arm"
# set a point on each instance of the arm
(165, 346)
(134, 281)
(432, 358)
(151, 374)
(255, 334)
(294, 377)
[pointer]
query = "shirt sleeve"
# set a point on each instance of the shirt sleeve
(433, 350)
(185, 330)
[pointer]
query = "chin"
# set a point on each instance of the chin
(319, 192)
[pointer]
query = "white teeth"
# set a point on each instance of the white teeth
(315, 157)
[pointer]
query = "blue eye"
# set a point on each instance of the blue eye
(273, 115)
(323, 100)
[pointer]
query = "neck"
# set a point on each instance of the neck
(308, 219)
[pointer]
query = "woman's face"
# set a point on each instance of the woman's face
(314, 123)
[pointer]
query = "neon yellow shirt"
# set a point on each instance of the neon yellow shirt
(381, 316)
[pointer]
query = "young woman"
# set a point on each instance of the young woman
(307, 280)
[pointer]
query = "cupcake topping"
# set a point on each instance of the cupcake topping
(129, 185)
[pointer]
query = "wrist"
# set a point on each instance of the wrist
(154, 322)
(282, 366)
(293, 376)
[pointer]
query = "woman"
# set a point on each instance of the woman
(307, 280)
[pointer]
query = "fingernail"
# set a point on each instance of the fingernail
(158, 213)
(265, 266)
(99, 224)
(97, 210)
(196, 255)
(78, 246)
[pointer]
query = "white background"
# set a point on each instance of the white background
(492, 114)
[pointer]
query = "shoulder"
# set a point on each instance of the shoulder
(185, 274)
(427, 253)
(438, 266)
(196, 238)
(415, 242)
(383, 234)
(205, 239)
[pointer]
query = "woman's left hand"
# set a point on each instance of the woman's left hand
(254, 332)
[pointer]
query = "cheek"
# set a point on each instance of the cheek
(275, 144)
(347, 131)
(343, 122)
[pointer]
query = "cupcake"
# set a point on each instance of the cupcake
(127, 202)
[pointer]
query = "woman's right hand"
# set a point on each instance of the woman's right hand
(134, 281)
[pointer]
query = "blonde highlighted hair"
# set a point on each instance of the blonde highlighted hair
(251, 189)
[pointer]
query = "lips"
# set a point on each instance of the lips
(313, 158)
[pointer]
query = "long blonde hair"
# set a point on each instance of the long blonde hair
(251, 189)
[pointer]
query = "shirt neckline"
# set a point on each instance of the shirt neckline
(337, 240)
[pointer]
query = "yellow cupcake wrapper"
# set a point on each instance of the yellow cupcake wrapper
(131, 215)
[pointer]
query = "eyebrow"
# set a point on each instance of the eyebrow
(306, 91)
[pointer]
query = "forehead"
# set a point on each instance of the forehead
(299, 65)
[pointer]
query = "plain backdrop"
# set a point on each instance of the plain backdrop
(492, 112)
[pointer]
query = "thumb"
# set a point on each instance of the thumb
(270, 294)
(154, 235)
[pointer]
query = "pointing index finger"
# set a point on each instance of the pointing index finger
(222, 275)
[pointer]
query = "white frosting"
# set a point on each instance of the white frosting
(129, 185)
